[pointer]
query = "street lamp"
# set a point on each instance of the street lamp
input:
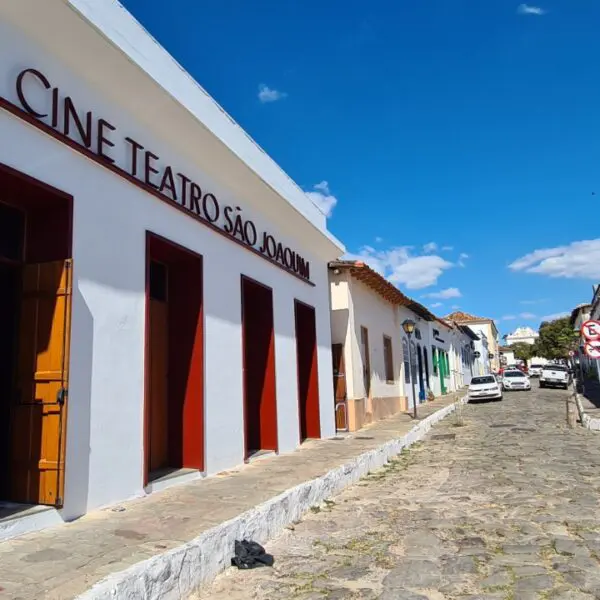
(409, 328)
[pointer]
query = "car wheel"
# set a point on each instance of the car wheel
(542, 385)
(501, 398)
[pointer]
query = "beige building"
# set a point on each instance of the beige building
(371, 369)
(485, 326)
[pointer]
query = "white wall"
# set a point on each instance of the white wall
(104, 462)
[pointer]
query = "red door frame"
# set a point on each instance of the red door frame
(271, 360)
(193, 428)
(313, 401)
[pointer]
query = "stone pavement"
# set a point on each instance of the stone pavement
(505, 507)
(60, 563)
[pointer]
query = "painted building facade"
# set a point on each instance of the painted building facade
(178, 276)
(378, 368)
(366, 346)
(486, 327)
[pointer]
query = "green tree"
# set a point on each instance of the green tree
(524, 351)
(556, 339)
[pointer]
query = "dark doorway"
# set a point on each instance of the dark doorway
(308, 375)
(426, 363)
(258, 343)
(421, 374)
(35, 318)
(174, 429)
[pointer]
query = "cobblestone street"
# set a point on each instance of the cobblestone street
(503, 507)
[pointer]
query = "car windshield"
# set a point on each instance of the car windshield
(480, 380)
(555, 368)
(514, 374)
(536, 366)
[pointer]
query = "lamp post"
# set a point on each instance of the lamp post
(409, 328)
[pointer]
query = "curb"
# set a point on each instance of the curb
(587, 421)
(178, 573)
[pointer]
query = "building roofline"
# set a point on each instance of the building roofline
(380, 285)
(123, 31)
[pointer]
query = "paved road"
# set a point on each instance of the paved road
(504, 507)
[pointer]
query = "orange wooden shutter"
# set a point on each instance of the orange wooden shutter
(38, 417)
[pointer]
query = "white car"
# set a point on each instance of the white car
(485, 387)
(536, 370)
(555, 375)
(515, 380)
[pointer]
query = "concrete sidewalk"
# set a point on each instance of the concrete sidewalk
(588, 404)
(176, 527)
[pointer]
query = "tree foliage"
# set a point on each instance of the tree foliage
(556, 339)
(524, 351)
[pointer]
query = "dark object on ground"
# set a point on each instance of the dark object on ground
(250, 555)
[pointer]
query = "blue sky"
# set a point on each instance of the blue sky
(456, 143)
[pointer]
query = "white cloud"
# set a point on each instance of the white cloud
(528, 9)
(267, 94)
(577, 260)
(461, 259)
(555, 316)
(508, 318)
(402, 268)
(323, 198)
(430, 248)
(379, 239)
(527, 315)
(445, 294)
(437, 304)
(447, 248)
(455, 306)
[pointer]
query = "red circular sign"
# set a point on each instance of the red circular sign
(590, 330)
(592, 349)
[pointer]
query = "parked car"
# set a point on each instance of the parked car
(485, 387)
(515, 379)
(535, 370)
(554, 375)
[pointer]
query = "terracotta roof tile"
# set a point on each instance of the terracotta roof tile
(366, 275)
(462, 317)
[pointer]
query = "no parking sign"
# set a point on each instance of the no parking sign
(592, 349)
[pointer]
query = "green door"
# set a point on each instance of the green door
(442, 371)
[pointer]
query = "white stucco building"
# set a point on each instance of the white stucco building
(483, 328)
(366, 345)
(525, 335)
(522, 335)
(379, 369)
(178, 275)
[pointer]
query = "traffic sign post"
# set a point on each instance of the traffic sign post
(590, 330)
(592, 349)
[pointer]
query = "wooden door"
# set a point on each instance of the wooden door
(339, 387)
(159, 408)
(158, 358)
(364, 337)
(38, 415)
